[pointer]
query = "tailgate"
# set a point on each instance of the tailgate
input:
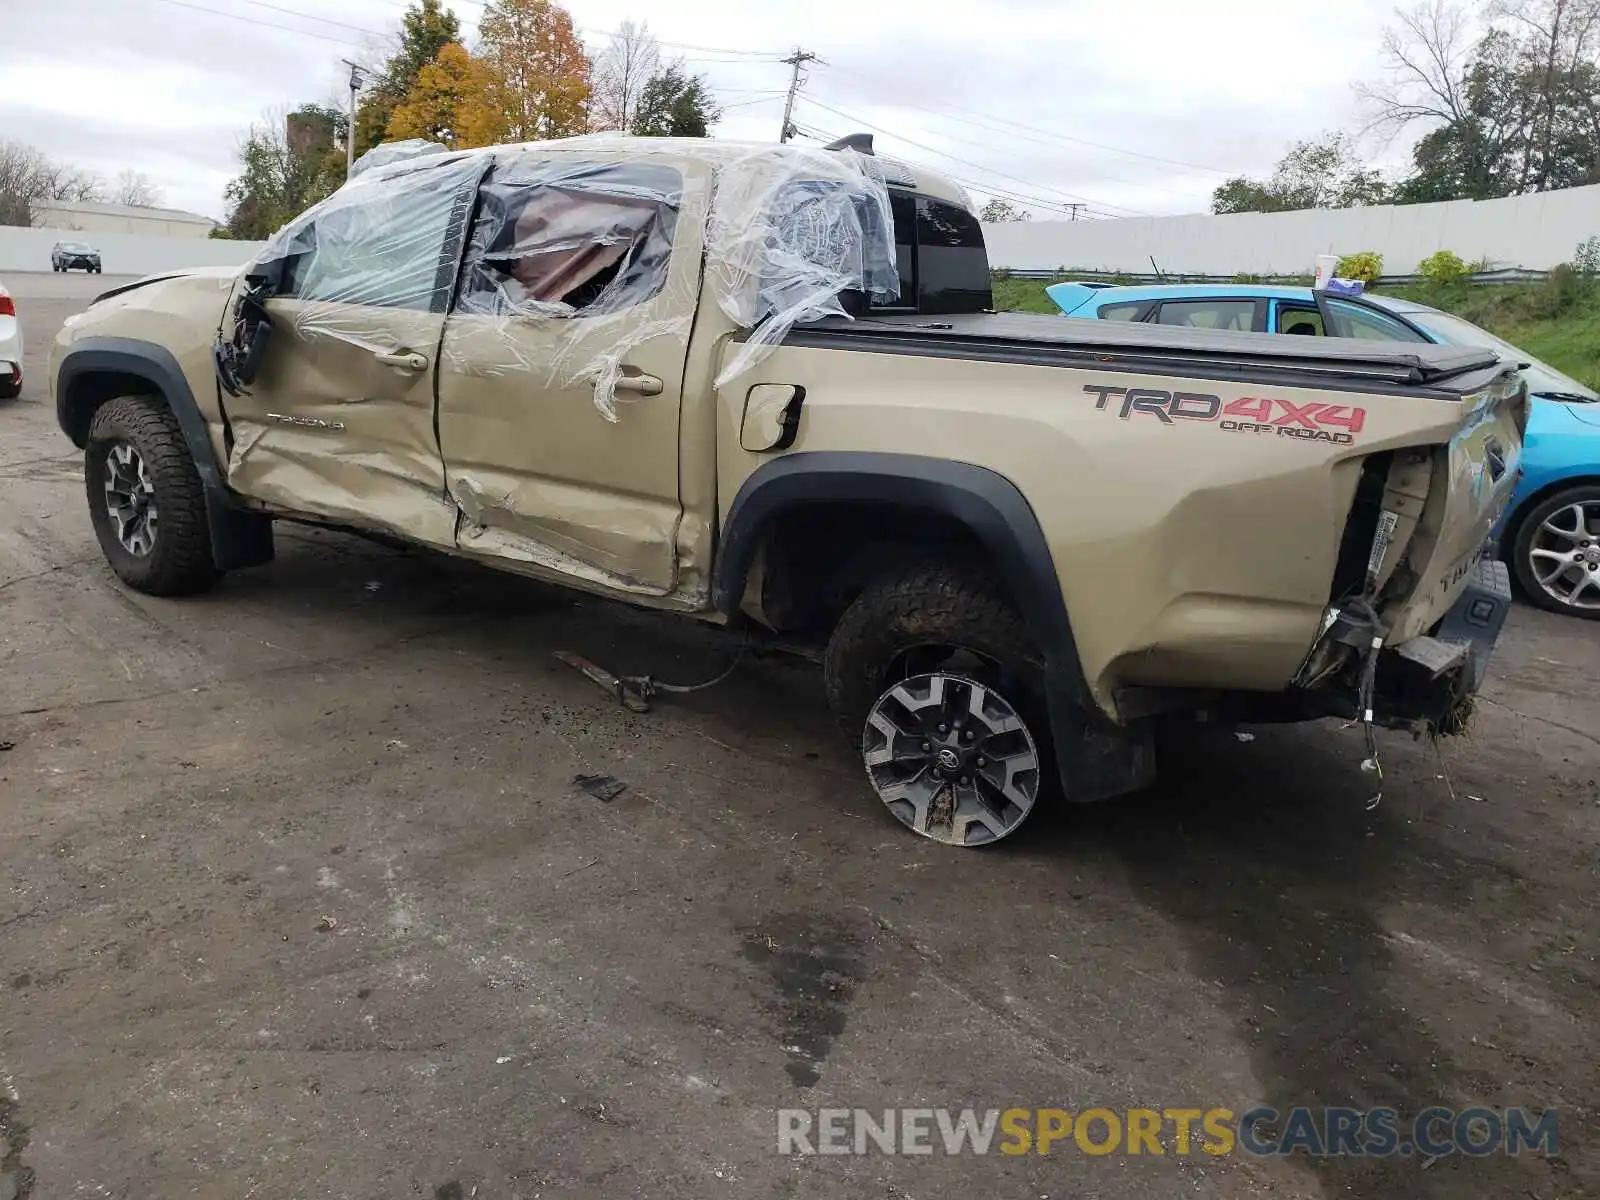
(1469, 482)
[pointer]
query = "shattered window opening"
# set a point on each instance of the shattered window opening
(562, 240)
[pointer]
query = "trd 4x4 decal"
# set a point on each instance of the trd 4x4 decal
(1313, 421)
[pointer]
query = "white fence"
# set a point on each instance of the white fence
(121, 253)
(1536, 231)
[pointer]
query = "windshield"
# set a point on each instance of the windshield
(1543, 379)
(75, 247)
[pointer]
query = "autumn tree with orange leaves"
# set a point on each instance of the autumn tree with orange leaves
(450, 103)
(539, 73)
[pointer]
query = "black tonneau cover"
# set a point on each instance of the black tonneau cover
(1031, 338)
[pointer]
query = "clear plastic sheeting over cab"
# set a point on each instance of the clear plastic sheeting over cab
(392, 152)
(576, 233)
(797, 235)
(385, 240)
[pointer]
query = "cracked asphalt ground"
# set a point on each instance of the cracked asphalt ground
(298, 898)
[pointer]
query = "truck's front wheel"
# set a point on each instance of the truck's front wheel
(933, 677)
(146, 500)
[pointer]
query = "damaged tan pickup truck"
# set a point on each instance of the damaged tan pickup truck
(760, 386)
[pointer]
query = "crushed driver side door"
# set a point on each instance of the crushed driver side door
(339, 419)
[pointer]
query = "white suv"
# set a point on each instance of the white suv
(10, 347)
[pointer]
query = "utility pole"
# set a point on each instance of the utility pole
(356, 71)
(796, 60)
(1074, 207)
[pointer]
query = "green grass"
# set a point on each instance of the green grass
(1557, 320)
(1023, 295)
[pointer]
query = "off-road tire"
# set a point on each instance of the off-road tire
(179, 562)
(1522, 543)
(934, 603)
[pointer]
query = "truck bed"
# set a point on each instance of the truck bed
(1213, 353)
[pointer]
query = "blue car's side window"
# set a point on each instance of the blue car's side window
(1120, 312)
(1210, 313)
(1354, 321)
(1303, 319)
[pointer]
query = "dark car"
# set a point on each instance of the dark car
(64, 256)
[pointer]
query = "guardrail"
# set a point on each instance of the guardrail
(1499, 275)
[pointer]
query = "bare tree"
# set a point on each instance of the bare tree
(1557, 44)
(629, 61)
(28, 176)
(1467, 83)
(1425, 55)
(1509, 93)
(135, 190)
(20, 169)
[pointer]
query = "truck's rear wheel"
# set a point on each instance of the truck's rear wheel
(933, 677)
(146, 500)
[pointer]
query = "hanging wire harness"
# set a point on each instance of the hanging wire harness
(634, 692)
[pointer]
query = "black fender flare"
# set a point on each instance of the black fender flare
(240, 537)
(1096, 758)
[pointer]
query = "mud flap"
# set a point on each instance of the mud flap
(1094, 760)
(239, 538)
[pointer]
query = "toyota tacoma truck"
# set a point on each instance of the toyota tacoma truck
(760, 386)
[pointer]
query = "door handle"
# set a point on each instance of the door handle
(408, 360)
(643, 385)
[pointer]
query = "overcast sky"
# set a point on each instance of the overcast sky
(1134, 108)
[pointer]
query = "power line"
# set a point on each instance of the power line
(403, 6)
(232, 16)
(734, 57)
(602, 33)
(1062, 137)
(735, 62)
(988, 189)
(746, 56)
(984, 187)
(305, 16)
(1050, 206)
(757, 100)
(966, 161)
(737, 55)
(1050, 133)
(818, 134)
(955, 158)
(1098, 174)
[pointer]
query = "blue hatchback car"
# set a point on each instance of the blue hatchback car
(1551, 532)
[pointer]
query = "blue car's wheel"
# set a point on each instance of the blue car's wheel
(1556, 553)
